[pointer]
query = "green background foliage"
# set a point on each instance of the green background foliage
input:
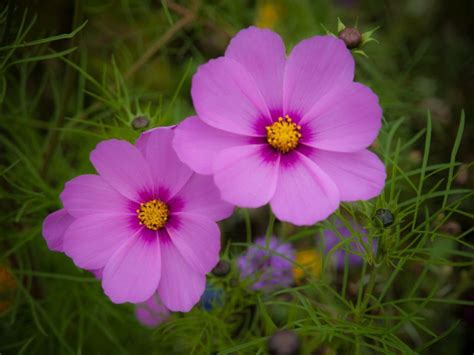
(74, 73)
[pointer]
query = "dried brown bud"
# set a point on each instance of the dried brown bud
(351, 37)
(284, 342)
(140, 122)
(221, 269)
(451, 227)
(463, 175)
(416, 156)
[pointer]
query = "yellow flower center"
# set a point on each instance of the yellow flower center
(283, 135)
(153, 214)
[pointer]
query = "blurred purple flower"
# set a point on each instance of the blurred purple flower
(268, 270)
(152, 312)
(331, 239)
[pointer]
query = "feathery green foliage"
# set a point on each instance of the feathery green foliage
(62, 91)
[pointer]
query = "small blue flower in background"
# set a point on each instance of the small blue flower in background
(212, 297)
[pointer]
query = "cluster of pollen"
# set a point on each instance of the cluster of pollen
(153, 214)
(283, 135)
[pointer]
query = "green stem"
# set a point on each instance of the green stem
(368, 290)
(370, 286)
(248, 225)
(269, 232)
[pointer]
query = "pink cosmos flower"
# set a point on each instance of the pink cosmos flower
(146, 223)
(291, 131)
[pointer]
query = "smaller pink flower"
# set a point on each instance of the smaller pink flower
(144, 225)
(152, 312)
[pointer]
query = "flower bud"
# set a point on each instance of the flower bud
(451, 227)
(462, 176)
(221, 269)
(351, 37)
(385, 217)
(284, 342)
(140, 122)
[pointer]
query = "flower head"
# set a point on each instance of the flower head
(289, 131)
(152, 312)
(267, 269)
(145, 223)
(331, 239)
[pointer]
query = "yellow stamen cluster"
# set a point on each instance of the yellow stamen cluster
(283, 135)
(153, 214)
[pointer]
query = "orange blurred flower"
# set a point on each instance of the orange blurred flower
(7, 287)
(311, 261)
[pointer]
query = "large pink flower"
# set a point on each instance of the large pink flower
(146, 222)
(291, 131)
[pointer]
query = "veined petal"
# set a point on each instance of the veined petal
(132, 274)
(304, 194)
(226, 96)
(90, 194)
(123, 167)
(201, 196)
(347, 119)
(167, 170)
(197, 238)
(315, 66)
(180, 286)
(262, 53)
(358, 176)
(198, 144)
(247, 175)
(92, 239)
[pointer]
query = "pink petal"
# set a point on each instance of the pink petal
(152, 312)
(89, 194)
(180, 286)
(304, 194)
(198, 240)
(54, 227)
(225, 96)
(201, 196)
(197, 144)
(97, 273)
(247, 175)
(262, 53)
(92, 239)
(167, 170)
(347, 119)
(133, 272)
(314, 67)
(358, 176)
(123, 167)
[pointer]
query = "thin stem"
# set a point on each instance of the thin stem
(248, 225)
(6, 33)
(271, 223)
(155, 47)
(372, 279)
(69, 77)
